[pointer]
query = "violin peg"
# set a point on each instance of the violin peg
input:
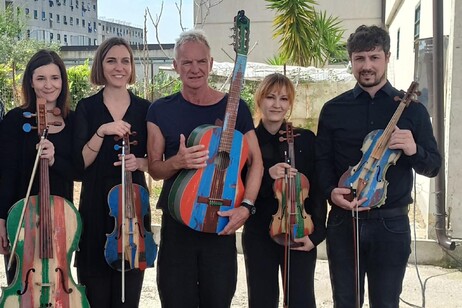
(27, 127)
(55, 111)
(28, 114)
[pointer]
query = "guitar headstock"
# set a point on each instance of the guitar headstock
(241, 33)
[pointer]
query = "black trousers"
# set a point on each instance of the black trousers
(195, 269)
(263, 259)
(104, 289)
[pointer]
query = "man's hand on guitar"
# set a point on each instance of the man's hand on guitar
(237, 218)
(194, 157)
(338, 198)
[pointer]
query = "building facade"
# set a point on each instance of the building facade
(217, 19)
(71, 22)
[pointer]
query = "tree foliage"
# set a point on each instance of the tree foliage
(79, 82)
(16, 49)
(306, 36)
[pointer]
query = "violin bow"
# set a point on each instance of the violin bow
(355, 217)
(123, 220)
(26, 202)
(286, 280)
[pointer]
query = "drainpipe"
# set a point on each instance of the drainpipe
(438, 118)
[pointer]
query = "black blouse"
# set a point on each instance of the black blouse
(18, 152)
(101, 176)
(273, 152)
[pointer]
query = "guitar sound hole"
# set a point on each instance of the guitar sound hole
(222, 160)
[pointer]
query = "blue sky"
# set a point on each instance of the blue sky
(132, 11)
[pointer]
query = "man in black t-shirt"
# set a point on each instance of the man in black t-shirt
(196, 269)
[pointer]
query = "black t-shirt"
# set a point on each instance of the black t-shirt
(174, 116)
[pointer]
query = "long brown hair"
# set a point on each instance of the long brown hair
(41, 58)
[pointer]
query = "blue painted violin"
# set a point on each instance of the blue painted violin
(367, 178)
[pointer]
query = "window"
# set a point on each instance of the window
(77, 21)
(58, 37)
(44, 16)
(65, 20)
(417, 22)
(35, 14)
(397, 43)
(71, 21)
(58, 19)
(65, 39)
(26, 11)
(83, 23)
(51, 36)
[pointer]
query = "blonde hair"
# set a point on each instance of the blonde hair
(265, 87)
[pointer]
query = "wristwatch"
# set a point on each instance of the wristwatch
(249, 205)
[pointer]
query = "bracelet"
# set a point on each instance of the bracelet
(88, 146)
(98, 134)
(247, 201)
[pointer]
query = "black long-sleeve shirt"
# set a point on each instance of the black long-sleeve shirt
(273, 152)
(345, 121)
(18, 156)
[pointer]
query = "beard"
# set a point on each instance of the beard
(371, 80)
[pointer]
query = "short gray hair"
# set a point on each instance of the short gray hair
(194, 35)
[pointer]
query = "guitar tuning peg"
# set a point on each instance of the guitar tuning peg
(117, 147)
(397, 98)
(135, 142)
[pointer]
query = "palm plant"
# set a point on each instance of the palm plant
(306, 37)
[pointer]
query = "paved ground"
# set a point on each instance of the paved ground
(441, 287)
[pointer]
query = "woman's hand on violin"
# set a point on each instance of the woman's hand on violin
(131, 162)
(48, 151)
(237, 218)
(3, 238)
(280, 169)
(194, 157)
(402, 139)
(307, 244)
(119, 128)
(338, 198)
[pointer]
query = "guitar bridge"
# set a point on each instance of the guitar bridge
(214, 201)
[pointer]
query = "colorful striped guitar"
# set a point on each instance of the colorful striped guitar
(197, 195)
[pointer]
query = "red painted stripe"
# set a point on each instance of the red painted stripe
(60, 250)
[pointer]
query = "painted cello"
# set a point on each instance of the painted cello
(291, 221)
(130, 245)
(46, 231)
(367, 178)
(197, 195)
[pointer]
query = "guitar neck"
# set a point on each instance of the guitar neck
(232, 106)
